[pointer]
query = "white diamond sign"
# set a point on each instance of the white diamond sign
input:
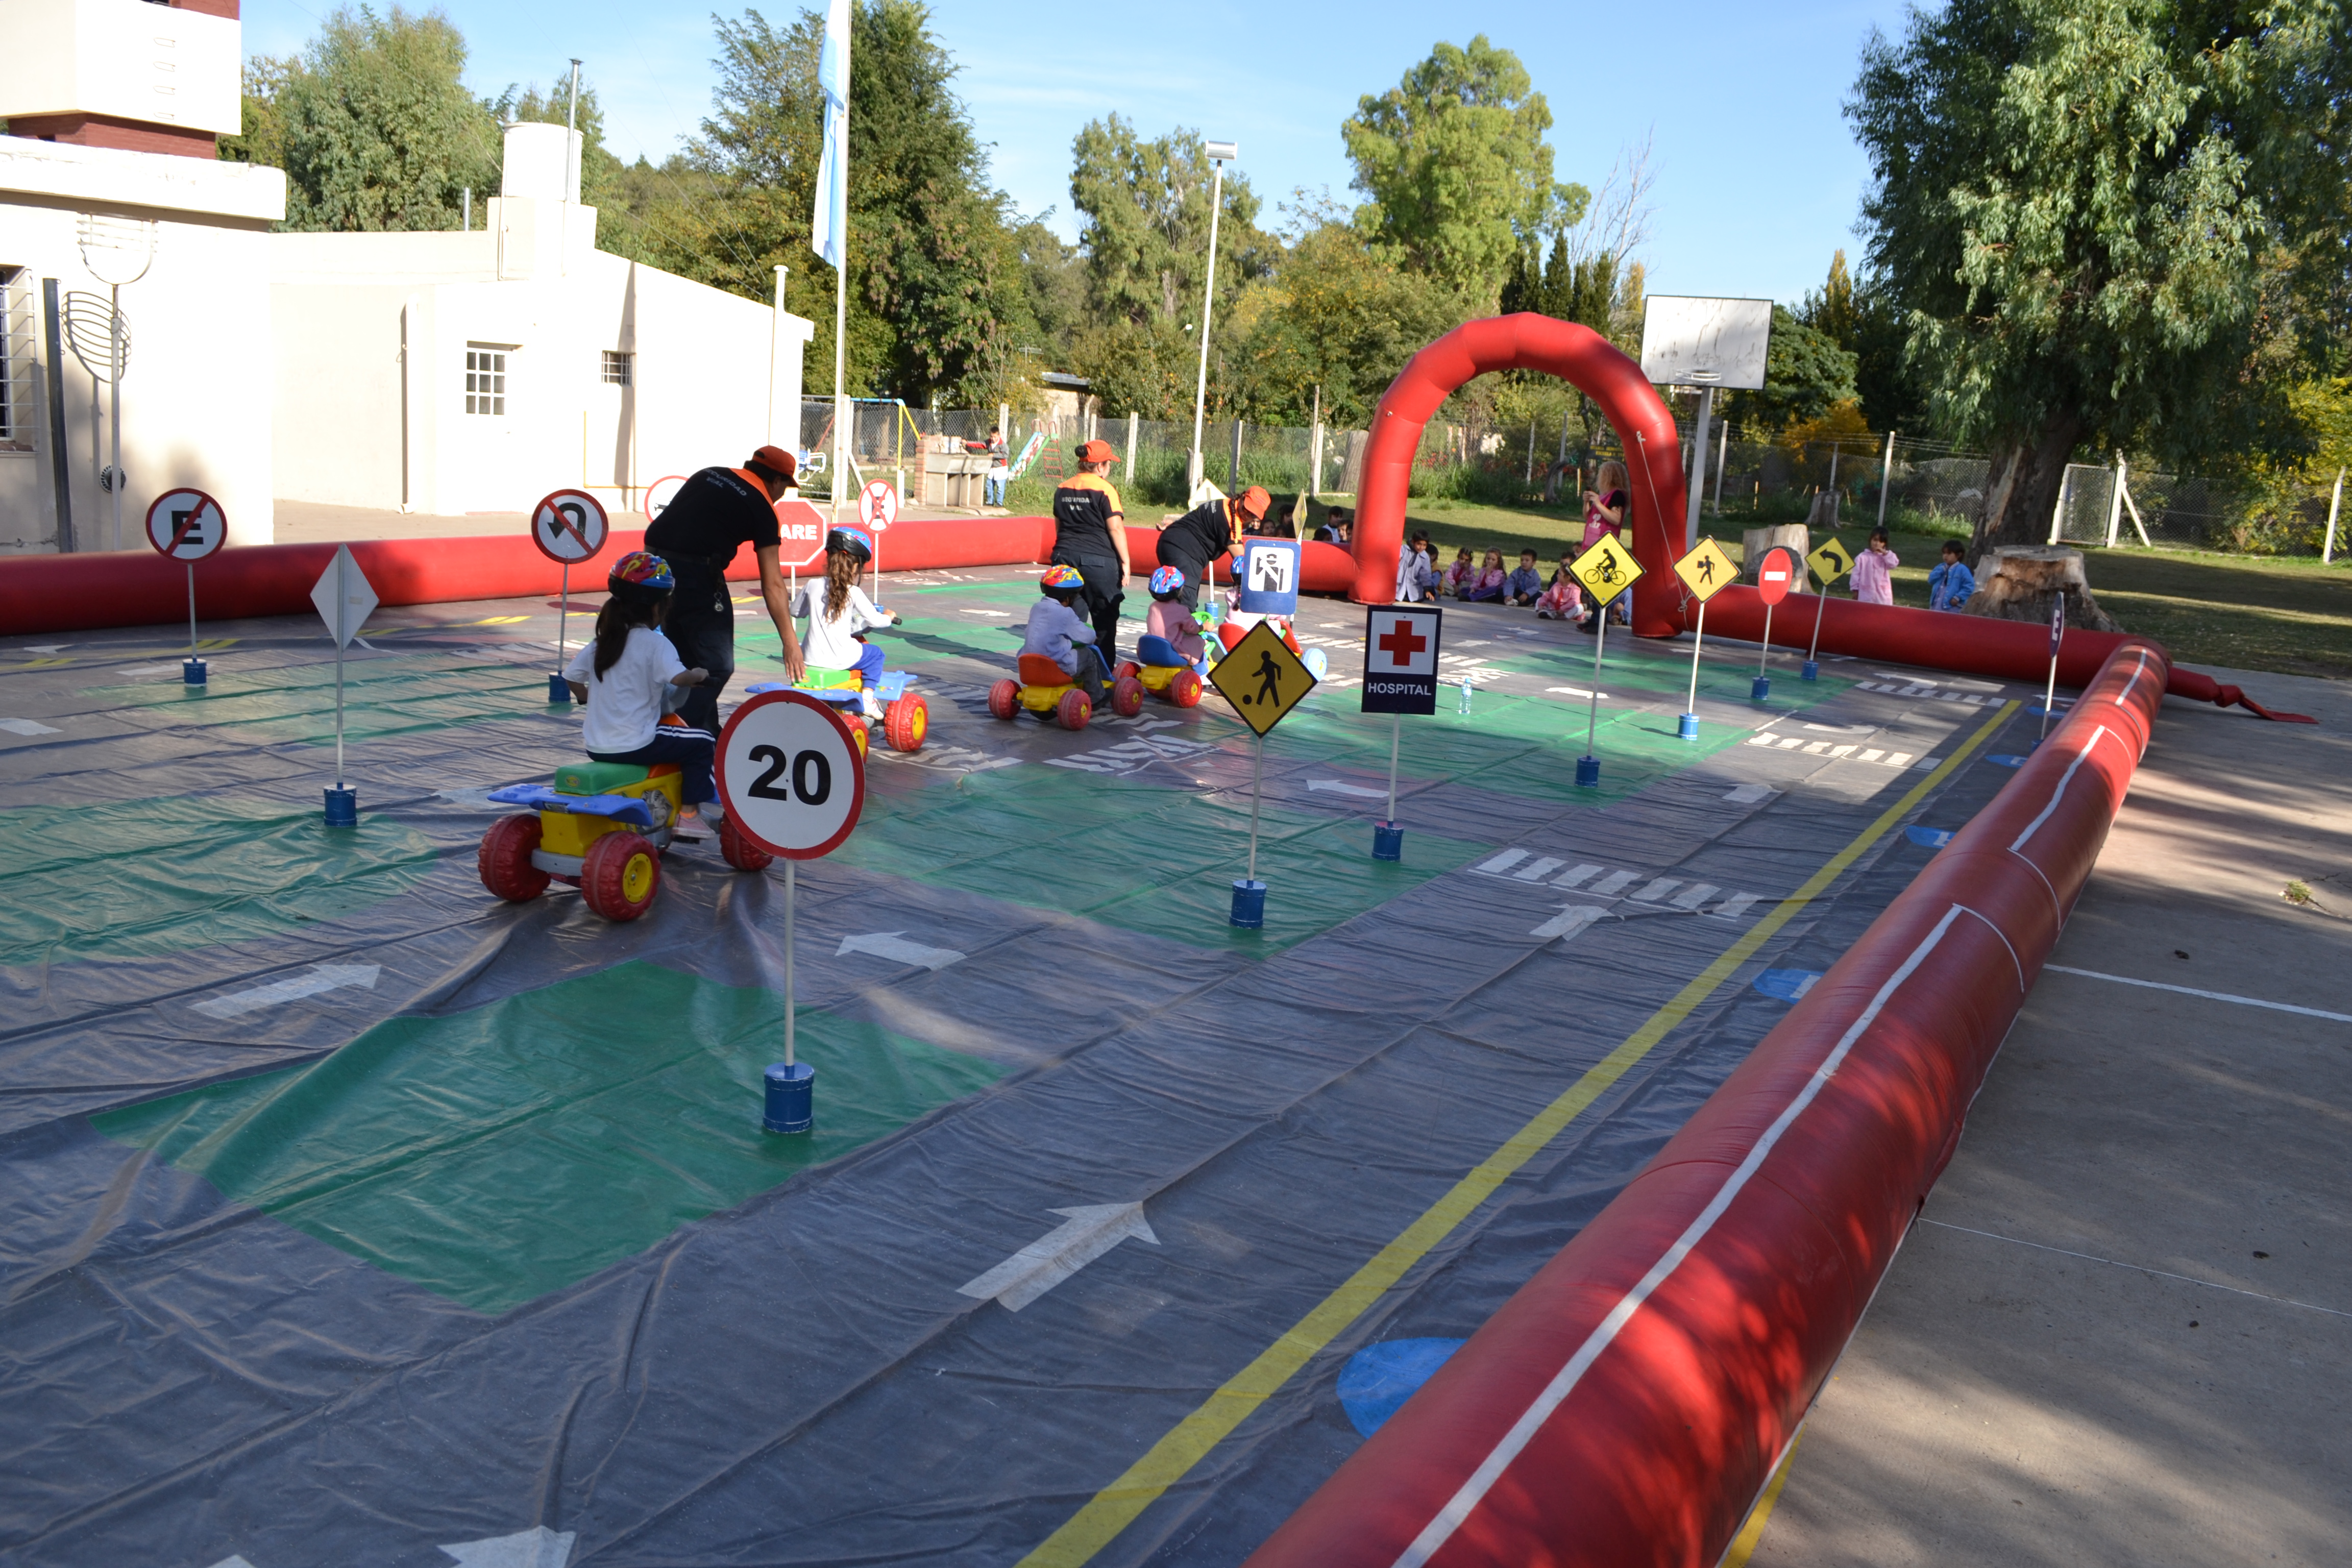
(345, 597)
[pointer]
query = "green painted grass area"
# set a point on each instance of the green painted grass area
(381, 697)
(141, 877)
(514, 1150)
(1144, 858)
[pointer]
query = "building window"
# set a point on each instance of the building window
(616, 367)
(16, 365)
(486, 379)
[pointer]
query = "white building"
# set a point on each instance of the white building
(443, 373)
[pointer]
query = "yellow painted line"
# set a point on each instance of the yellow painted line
(215, 644)
(40, 663)
(1168, 1460)
(1744, 1544)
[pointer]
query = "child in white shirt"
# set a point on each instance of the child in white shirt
(837, 612)
(628, 675)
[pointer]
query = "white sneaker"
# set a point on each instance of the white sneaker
(871, 705)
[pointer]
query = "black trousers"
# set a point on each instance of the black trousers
(1194, 568)
(1105, 588)
(701, 627)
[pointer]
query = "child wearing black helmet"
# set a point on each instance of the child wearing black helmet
(839, 614)
(628, 675)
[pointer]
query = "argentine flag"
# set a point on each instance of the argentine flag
(829, 228)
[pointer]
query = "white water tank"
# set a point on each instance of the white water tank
(543, 161)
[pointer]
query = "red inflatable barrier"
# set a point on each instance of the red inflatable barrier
(1628, 1405)
(138, 588)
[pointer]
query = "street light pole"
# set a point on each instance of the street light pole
(1220, 152)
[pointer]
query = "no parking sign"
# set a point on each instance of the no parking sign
(186, 525)
(789, 776)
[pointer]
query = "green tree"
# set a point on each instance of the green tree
(374, 127)
(1861, 319)
(617, 227)
(262, 138)
(1455, 161)
(1806, 373)
(2083, 208)
(1144, 223)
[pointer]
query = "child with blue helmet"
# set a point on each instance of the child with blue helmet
(839, 614)
(627, 676)
(1171, 636)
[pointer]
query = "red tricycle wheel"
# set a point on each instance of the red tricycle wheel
(1128, 670)
(1004, 700)
(504, 859)
(1127, 697)
(1073, 709)
(619, 876)
(738, 851)
(905, 723)
(1184, 690)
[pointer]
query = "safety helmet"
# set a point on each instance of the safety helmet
(854, 541)
(1167, 580)
(639, 578)
(1059, 579)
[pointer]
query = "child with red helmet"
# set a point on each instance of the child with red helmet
(627, 676)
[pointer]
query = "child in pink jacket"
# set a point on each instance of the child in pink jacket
(1874, 571)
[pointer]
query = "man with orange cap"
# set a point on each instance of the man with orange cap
(715, 513)
(1090, 533)
(1208, 532)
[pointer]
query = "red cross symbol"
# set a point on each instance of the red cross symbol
(1401, 643)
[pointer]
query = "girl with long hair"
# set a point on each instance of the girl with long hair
(1604, 513)
(839, 614)
(627, 676)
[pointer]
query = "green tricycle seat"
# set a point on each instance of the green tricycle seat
(597, 778)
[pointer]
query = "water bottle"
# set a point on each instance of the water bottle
(1465, 706)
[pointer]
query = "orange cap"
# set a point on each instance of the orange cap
(1097, 452)
(775, 459)
(1254, 500)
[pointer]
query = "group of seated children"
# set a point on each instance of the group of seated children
(1491, 582)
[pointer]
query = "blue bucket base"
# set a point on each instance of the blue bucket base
(1686, 727)
(1588, 773)
(1813, 670)
(192, 672)
(1249, 904)
(559, 692)
(791, 1099)
(1761, 689)
(1388, 841)
(343, 807)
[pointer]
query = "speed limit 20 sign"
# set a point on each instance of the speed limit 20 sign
(790, 775)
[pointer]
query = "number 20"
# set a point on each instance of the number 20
(811, 775)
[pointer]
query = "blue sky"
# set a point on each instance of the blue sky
(1758, 175)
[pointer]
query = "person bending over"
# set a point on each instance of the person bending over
(627, 676)
(714, 514)
(1056, 632)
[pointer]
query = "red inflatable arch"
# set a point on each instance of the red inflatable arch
(1586, 361)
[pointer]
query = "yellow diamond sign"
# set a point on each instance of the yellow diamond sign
(1830, 561)
(1606, 570)
(1262, 677)
(1705, 570)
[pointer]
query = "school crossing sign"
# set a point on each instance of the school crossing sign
(1262, 677)
(1706, 571)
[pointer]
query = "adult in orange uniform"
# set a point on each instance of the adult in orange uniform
(1090, 533)
(1206, 534)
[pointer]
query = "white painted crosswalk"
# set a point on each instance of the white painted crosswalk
(1599, 881)
(1851, 752)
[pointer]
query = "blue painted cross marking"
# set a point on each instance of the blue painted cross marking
(1378, 1378)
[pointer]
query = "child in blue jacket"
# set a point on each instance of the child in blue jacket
(1950, 582)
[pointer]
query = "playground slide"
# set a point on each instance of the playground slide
(1630, 1402)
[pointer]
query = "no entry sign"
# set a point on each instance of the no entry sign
(790, 775)
(186, 525)
(568, 526)
(1401, 659)
(1776, 573)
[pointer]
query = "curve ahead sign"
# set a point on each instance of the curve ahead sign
(790, 775)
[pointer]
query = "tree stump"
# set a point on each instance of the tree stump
(2017, 583)
(1824, 515)
(1755, 541)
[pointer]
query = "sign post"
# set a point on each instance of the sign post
(187, 525)
(345, 599)
(1263, 680)
(1606, 570)
(1830, 562)
(1400, 677)
(877, 507)
(792, 783)
(1774, 574)
(567, 526)
(2057, 637)
(1705, 571)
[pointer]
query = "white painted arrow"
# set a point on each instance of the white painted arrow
(892, 945)
(538, 1547)
(1572, 918)
(325, 977)
(1333, 787)
(1090, 1231)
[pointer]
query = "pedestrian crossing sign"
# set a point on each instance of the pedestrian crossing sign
(1706, 570)
(1606, 570)
(1262, 677)
(1830, 561)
